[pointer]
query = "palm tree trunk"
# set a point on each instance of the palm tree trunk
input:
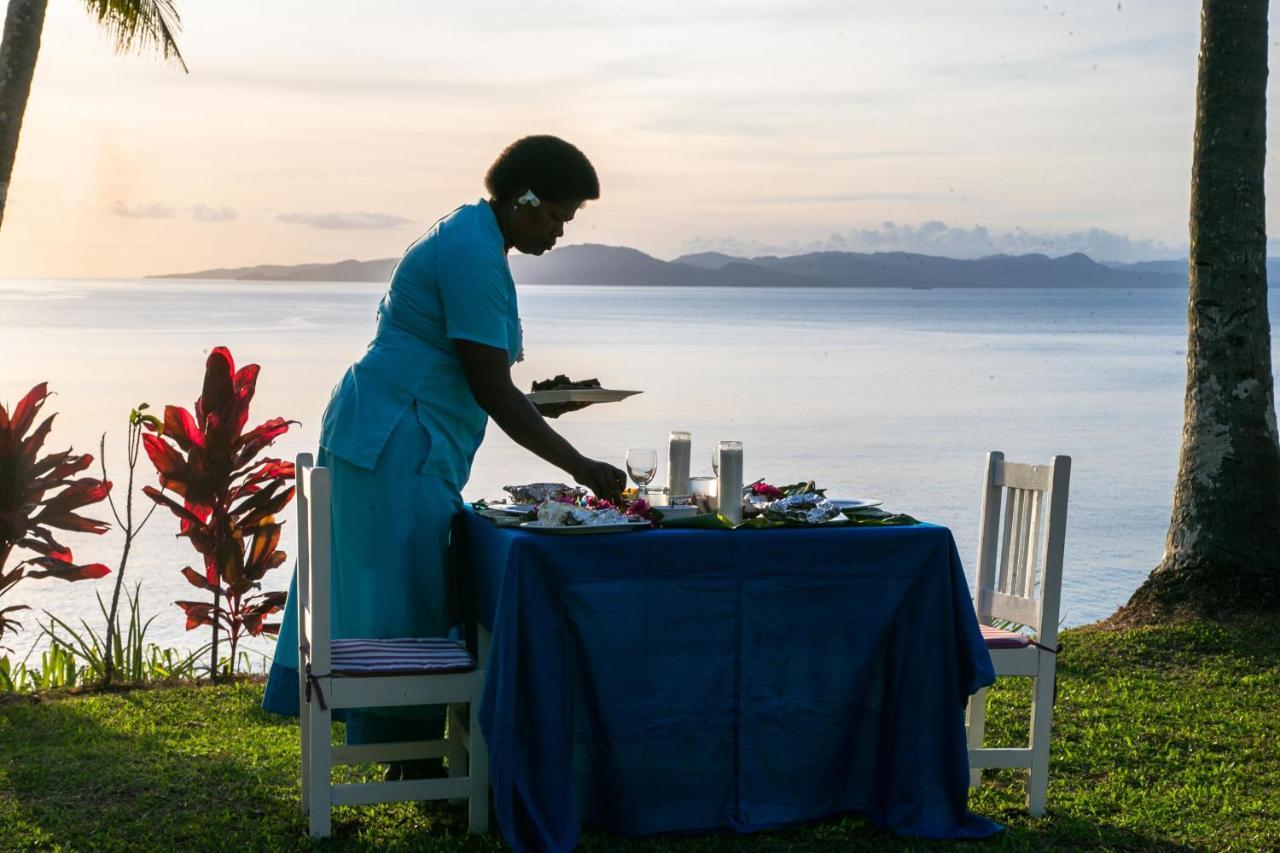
(1222, 554)
(23, 24)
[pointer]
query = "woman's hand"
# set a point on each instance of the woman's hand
(603, 479)
(555, 410)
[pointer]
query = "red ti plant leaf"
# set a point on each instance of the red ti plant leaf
(253, 442)
(38, 493)
(271, 469)
(257, 608)
(31, 444)
(191, 516)
(55, 468)
(229, 500)
(65, 569)
(198, 580)
(198, 613)
(180, 425)
(46, 548)
(169, 463)
(57, 511)
(24, 414)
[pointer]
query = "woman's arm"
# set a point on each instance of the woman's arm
(489, 376)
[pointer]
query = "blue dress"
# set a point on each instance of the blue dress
(399, 435)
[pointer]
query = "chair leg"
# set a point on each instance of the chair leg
(478, 807)
(1041, 724)
(304, 718)
(454, 748)
(976, 730)
(319, 782)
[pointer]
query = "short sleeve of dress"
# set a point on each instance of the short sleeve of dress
(474, 291)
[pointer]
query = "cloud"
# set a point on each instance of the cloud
(155, 210)
(938, 238)
(346, 221)
(145, 211)
(204, 213)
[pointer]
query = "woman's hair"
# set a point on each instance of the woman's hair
(551, 167)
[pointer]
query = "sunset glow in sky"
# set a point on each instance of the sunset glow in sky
(313, 132)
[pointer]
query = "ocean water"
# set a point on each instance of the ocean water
(875, 393)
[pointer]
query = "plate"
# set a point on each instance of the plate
(849, 504)
(579, 395)
(518, 509)
(677, 511)
(578, 529)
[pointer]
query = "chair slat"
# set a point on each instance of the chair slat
(368, 753)
(1033, 543)
(1018, 498)
(1002, 575)
(368, 793)
(398, 690)
(1011, 608)
(1017, 475)
(1024, 540)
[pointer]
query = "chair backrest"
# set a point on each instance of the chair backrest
(1020, 549)
(313, 561)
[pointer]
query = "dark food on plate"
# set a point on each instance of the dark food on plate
(560, 382)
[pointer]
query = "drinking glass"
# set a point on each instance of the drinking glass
(642, 465)
(715, 460)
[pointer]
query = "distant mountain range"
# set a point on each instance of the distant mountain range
(592, 264)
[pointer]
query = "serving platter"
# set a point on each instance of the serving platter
(579, 395)
(581, 529)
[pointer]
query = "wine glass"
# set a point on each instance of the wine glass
(642, 465)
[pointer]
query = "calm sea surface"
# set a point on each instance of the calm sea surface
(879, 393)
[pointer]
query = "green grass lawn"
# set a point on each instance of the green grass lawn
(1164, 739)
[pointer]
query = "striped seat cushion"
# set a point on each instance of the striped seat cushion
(996, 638)
(400, 656)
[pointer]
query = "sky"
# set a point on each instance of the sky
(318, 131)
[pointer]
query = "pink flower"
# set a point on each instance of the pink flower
(764, 490)
(640, 509)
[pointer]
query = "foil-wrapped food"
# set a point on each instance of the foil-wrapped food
(807, 508)
(536, 493)
(552, 513)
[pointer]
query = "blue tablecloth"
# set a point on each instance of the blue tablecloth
(677, 680)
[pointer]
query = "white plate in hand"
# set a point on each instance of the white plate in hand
(578, 395)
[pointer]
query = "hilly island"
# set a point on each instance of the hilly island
(593, 264)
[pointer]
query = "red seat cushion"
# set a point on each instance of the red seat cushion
(995, 638)
(400, 656)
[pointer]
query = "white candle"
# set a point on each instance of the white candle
(729, 454)
(678, 463)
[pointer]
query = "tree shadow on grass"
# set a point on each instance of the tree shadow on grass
(115, 772)
(1052, 833)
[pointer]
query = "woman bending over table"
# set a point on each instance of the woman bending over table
(404, 422)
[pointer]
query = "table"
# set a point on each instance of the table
(679, 680)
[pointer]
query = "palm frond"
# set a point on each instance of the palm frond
(140, 25)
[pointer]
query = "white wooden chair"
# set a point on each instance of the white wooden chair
(1020, 581)
(349, 673)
